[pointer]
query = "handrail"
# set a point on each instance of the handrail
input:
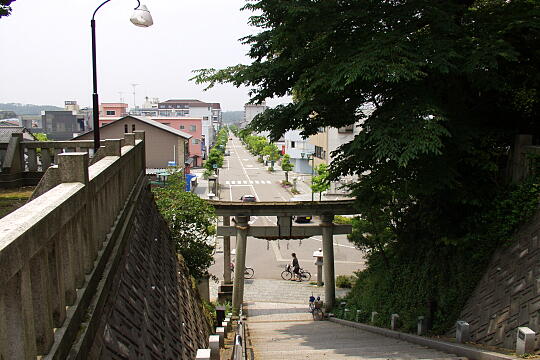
(239, 349)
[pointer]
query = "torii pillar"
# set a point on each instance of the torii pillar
(328, 266)
(242, 228)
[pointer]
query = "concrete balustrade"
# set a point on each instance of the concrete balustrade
(48, 246)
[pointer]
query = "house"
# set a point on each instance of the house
(252, 110)
(62, 124)
(164, 143)
(299, 151)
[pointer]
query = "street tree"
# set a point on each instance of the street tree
(286, 166)
(5, 8)
(321, 181)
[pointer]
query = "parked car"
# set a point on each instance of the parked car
(301, 218)
(227, 153)
(248, 198)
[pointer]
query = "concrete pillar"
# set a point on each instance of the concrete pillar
(242, 227)
(203, 354)
(462, 332)
(129, 139)
(525, 341)
(394, 318)
(213, 344)
(221, 332)
(226, 253)
(113, 147)
(328, 251)
(373, 316)
(421, 326)
(358, 315)
(203, 286)
(73, 167)
(226, 326)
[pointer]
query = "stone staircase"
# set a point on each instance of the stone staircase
(287, 331)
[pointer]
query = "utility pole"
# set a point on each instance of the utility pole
(134, 102)
(121, 98)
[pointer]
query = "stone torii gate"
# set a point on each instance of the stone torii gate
(283, 230)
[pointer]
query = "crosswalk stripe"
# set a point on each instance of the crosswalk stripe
(233, 182)
(245, 182)
(251, 181)
(227, 182)
(268, 182)
(257, 182)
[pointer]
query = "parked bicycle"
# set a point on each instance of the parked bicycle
(248, 272)
(288, 274)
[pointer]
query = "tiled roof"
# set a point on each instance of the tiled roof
(7, 131)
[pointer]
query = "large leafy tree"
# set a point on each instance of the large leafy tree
(447, 85)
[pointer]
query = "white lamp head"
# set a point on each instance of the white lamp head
(141, 17)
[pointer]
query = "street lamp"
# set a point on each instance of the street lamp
(141, 17)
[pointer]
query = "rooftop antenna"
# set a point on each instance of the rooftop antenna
(134, 104)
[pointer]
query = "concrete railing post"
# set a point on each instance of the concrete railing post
(129, 139)
(213, 344)
(373, 316)
(73, 167)
(220, 331)
(394, 318)
(242, 227)
(525, 341)
(462, 332)
(113, 147)
(203, 354)
(421, 326)
(358, 315)
(328, 251)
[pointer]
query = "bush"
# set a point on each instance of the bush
(342, 220)
(345, 281)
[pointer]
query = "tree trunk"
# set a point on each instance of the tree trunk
(286, 176)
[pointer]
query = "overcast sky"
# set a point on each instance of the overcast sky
(46, 51)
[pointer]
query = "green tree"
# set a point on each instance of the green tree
(191, 223)
(41, 137)
(440, 89)
(286, 166)
(321, 181)
(5, 8)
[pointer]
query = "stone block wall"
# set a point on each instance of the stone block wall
(508, 296)
(151, 311)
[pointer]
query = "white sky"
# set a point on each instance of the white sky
(46, 51)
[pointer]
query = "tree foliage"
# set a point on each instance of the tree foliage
(286, 166)
(5, 8)
(321, 181)
(191, 223)
(440, 89)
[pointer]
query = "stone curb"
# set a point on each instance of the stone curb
(457, 349)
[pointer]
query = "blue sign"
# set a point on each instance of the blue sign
(171, 163)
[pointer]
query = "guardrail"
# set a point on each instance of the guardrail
(239, 349)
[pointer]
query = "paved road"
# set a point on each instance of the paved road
(243, 174)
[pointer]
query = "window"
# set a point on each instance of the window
(132, 127)
(182, 127)
(205, 117)
(319, 152)
(111, 112)
(125, 128)
(193, 128)
(195, 141)
(293, 144)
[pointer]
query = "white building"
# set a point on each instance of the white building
(299, 150)
(252, 110)
(209, 112)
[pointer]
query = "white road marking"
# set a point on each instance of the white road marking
(251, 181)
(245, 182)
(227, 182)
(268, 182)
(247, 165)
(257, 182)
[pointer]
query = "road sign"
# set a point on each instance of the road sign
(214, 166)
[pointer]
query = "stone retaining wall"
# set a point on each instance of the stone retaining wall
(508, 296)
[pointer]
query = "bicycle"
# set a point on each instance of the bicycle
(248, 272)
(287, 274)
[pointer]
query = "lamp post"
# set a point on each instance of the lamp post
(141, 17)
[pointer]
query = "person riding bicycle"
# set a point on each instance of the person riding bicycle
(296, 268)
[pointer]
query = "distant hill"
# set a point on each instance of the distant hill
(231, 117)
(27, 109)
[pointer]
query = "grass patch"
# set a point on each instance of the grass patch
(12, 199)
